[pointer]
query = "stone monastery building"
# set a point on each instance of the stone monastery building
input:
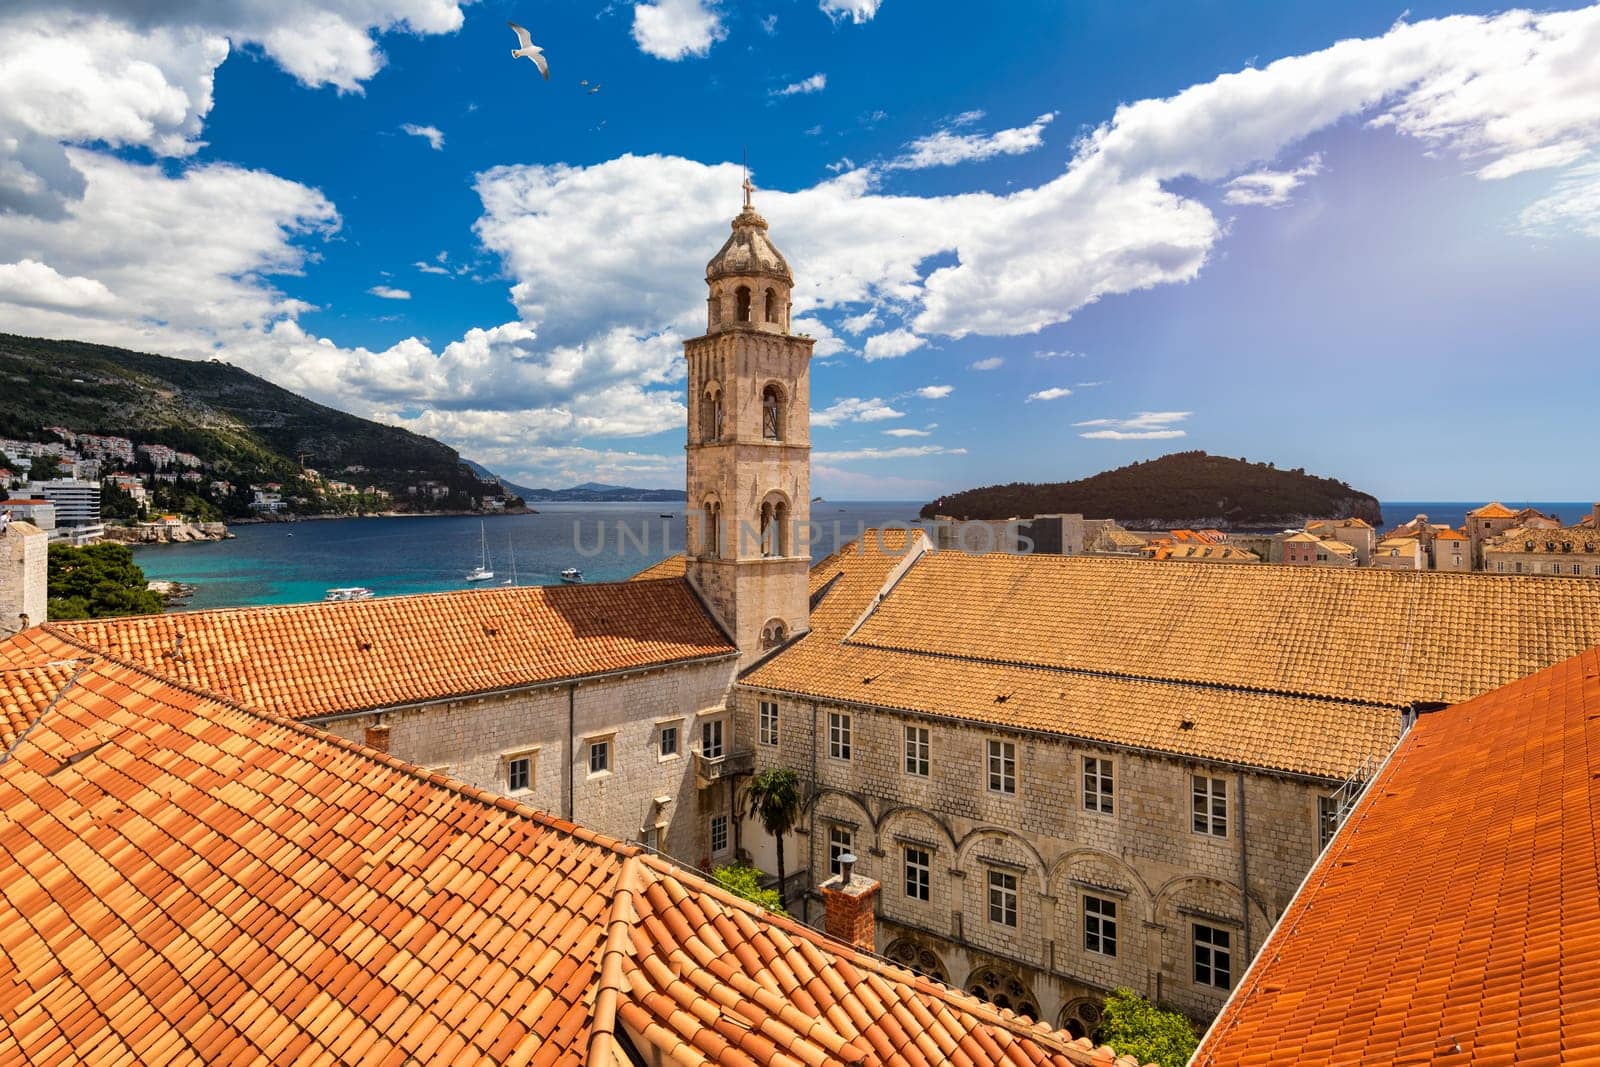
(463, 827)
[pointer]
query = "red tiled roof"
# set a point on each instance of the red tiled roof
(184, 881)
(1495, 510)
(671, 567)
(1455, 917)
(307, 660)
(25, 693)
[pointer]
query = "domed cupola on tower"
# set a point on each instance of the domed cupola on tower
(748, 277)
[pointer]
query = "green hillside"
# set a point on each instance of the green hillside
(1182, 489)
(245, 429)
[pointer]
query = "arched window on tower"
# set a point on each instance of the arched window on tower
(742, 298)
(772, 306)
(772, 413)
(711, 533)
(768, 532)
(774, 519)
(711, 413)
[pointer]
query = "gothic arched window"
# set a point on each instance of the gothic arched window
(1003, 989)
(772, 413)
(711, 516)
(772, 306)
(711, 407)
(742, 298)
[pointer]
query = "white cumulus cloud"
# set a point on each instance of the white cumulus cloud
(814, 84)
(855, 409)
(892, 345)
(906, 431)
(1053, 393)
(935, 392)
(901, 452)
(431, 134)
(389, 292)
(1143, 426)
(945, 147)
(675, 29)
(30, 283)
(1271, 188)
(857, 11)
(989, 363)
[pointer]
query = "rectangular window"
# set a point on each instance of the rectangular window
(767, 723)
(1501, 566)
(1213, 957)
(1003, 898)
(918, 866)
(519, 774)
(669, 741)
(719, 833)
(1210, 806)
(599, 757)
(917, 751)
(1100, 925)
(711, 739)
(839, 843)
(1327, 820)
(1098, 786)
(1002, 767)
(838, 735)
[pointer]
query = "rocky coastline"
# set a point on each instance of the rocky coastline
(155, 533)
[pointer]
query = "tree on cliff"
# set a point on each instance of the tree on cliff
(97, 581)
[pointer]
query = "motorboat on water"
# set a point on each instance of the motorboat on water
(572, 575)
(346, 593)
(482, 572)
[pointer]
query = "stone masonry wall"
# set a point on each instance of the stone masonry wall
(473, 739)
(24, 576)
(1143, 857)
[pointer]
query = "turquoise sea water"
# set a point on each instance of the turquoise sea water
(288, 563)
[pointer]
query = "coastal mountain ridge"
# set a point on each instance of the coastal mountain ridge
(591, 492)
(1182, 489)
(241, 426)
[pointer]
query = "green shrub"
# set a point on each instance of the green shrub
(1135, 1027)
(744, 881)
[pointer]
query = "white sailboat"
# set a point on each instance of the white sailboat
(482, 573)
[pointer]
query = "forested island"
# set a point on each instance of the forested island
(1182, 489)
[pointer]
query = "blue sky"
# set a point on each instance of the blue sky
(1034, 242)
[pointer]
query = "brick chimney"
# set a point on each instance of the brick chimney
(378, 738)
(849, 900)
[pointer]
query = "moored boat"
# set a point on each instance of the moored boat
(346, 593)
(572, 575)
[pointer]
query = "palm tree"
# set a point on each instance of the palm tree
(774, 798)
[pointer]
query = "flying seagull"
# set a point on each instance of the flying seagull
(595, 88)
(529, 50)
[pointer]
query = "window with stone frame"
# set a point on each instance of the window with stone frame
(1099, 785)
(838, 735)
(917, 747)
(919, 868)
(599, 756)
(1210, 806)
(1002, 767)
(1213, 957)
(1003, 898)
(840, 841)
(1100, 925)
(519, 774)
(767, 722)
(711, 739)
(668, 744)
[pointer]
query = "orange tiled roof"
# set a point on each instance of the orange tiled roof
(1546, 541)
(316, 659)
(1449, 535)
(1454, 919)
(1329, 739)
(189, 882)
(1281, 629)
(671, 567)
(25, 693)
(845, 584)
(1495, 510)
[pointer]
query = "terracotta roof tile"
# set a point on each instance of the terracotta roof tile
(1293, 630)
(184, 881)
(25, 693)
(1494, 510)
(1308, 736)
(316, 659)
(1454, 918)
(671, 567)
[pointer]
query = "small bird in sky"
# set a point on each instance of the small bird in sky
(595, 88)
(529, 50)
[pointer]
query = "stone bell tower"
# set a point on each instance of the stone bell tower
(749, 451)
